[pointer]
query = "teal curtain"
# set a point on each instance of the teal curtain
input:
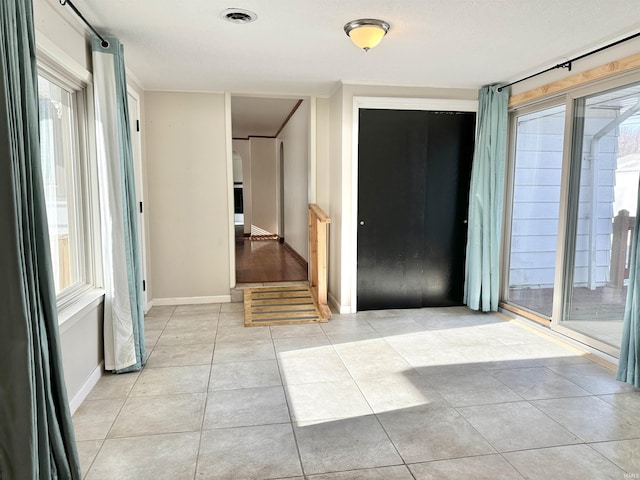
(36, 433)
(629, 361)
(486, 197)
(124, 348)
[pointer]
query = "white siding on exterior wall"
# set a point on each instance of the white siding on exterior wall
(539, 148)
(605, 153)
(535, 203)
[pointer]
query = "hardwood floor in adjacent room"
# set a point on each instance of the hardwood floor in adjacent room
(266, 261)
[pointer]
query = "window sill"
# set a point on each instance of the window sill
(70, 314)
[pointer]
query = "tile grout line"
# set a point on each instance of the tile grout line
(373, 412)
(123, 403)
(589, 444)
(94, 458)
(206, 401)
(286, 399)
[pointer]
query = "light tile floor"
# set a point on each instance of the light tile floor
(441, 393)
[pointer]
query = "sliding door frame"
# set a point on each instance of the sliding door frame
(569, 192)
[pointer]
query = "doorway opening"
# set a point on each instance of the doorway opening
(271, 178)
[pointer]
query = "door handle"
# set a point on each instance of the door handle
(361, 222)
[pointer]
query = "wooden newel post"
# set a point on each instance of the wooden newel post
(318, 273)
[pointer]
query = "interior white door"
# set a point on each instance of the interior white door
(136, 144)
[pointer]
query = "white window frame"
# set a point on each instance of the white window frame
(57, 67)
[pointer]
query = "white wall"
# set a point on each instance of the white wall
(82, 351)
(58, 24)
(243, 148)
(335, 188)
(188, 196)
(322, 153)
(295, 137)
(264, 184)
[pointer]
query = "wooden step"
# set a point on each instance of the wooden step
(283, 305)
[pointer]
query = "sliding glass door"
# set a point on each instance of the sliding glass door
(607, 160)
(574, 183)
(535, 208)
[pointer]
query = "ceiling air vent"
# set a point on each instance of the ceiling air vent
(238, 15)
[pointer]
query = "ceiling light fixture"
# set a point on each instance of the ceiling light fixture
(366, 33)
(238, 15)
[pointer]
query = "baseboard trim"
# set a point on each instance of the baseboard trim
(336, 305)
(299, 258)
(86, 388)
(192, 300)
(147, 306)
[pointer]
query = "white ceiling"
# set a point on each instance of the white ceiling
(299, 46)
(259, 116)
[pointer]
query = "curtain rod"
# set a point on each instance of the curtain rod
(568, 64)
(103, 42)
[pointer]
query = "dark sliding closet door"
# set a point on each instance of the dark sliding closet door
(413, 186)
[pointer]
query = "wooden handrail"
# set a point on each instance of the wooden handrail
(318, 273)
(319, 213)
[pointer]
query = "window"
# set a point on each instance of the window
(535, 208)
(65, 178)
(58, 157)
(574, 176)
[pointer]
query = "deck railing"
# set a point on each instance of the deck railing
(318, 241)
(621, 243)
